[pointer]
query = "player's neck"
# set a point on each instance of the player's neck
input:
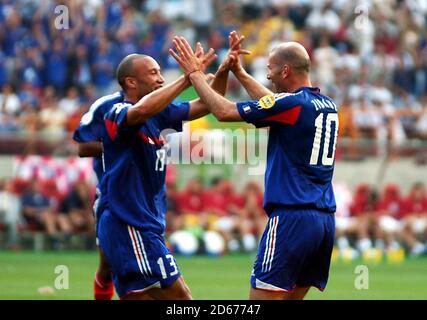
(131, 97)
(298, 83)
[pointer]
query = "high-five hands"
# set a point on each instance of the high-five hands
(188, 60)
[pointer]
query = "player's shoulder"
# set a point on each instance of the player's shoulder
(276, 99)
(107, 102)
(101, 106)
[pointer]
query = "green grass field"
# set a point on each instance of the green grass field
(21, 274)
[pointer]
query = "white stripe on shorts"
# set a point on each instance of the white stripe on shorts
(274, 237)
(137, 250)
(267, 244)
(143, 251)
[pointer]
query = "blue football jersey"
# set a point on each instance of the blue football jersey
(301, 147)
(91, 127)
(135, 181)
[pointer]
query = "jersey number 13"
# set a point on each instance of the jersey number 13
(326, 160)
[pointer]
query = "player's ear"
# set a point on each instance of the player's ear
(285, 71)
(130, 82)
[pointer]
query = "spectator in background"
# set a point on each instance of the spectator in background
(191, 205)
(52, 118)
(9, 101)
(70, 103)
(76, 209)
(348, 128)
(56, 65)
(39, 213)
(173, 215)
(252, 217)
(103, 67)
(3, 71)
(364, 209)
(79, 62)
(345, 222)
(390, 213)
(421, 124)
(217, 202)
(415, 219)
(10, 213)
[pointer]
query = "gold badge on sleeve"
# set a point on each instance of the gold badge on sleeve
(267, 101)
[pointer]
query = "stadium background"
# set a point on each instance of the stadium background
(369, 56)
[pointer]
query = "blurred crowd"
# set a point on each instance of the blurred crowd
(40, 206)
(370, 56)
(382, 219)
(366, 218)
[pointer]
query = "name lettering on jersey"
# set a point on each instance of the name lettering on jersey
(267, 102)
(321, 104)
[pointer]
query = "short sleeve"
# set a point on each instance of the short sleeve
(173, 116)
(90, 127)
(283, 108)
(114, 120)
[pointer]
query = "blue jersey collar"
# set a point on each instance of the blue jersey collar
(312, 89)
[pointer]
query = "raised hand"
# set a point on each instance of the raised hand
(188, 60)
(232, 60)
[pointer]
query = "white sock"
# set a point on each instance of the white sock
(342, 243)
(364, 244)
(249, 242)
(233, 245)
(379, 244)
(418, 248)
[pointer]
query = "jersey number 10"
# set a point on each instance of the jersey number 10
(326, 161)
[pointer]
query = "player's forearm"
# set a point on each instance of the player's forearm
(90, 149)
(155, 102)
(220, 82)
(254, 88)
(217, 104)
(198, 108)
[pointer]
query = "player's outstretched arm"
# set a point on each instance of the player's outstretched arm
(222, 108)
(90, 149)
(255, 89)
(158, 100)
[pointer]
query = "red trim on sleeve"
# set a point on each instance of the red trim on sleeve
(111, 128)
(287, 117)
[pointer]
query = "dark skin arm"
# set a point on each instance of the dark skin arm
(158, 100)
(155, 102)
(90, 149)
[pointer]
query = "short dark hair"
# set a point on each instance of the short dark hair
(125, 68)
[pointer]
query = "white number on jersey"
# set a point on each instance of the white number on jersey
(326, 161)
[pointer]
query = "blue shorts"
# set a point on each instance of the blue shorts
(294, 251)
(139, 260)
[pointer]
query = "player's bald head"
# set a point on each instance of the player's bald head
(292, 54)
(126, 67)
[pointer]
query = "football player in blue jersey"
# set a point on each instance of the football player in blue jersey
(131, 227)
(295, 250)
